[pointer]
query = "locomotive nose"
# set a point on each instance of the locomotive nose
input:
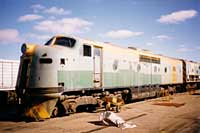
(28, 49)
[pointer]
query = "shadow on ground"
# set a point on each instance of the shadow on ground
(196, 93)
(97, 123)
(9, 113)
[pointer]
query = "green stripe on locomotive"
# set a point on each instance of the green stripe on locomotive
(84, 79)
(76, 79)
(129, 78)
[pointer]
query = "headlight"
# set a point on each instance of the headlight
(28, 49)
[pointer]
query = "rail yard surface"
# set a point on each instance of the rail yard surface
(180, 114)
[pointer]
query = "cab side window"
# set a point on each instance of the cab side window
(86, 50)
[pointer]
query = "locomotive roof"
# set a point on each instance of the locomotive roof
(134, 49)
(142, 51)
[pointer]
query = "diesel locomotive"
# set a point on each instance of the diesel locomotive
(67, 71)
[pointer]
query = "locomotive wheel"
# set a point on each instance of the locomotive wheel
(118, 109)
(55, 112)
(158, 94)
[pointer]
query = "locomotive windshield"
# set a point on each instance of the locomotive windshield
(49, 42)
(65, 41)
(62, 41)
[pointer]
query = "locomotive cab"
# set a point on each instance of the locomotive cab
(37, 80)
(39, 65)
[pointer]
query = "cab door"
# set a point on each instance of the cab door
(174, 78)
(97, 78)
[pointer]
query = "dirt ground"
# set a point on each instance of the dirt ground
(181, 114)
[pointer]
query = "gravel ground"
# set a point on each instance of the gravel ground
(146, 115)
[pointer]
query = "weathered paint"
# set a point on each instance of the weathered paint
(129, 78)
(174, 78)
(76, 79)
(174, 71)
(78, 70)
(84, 79)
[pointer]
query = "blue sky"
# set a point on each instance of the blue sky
(167, 27)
